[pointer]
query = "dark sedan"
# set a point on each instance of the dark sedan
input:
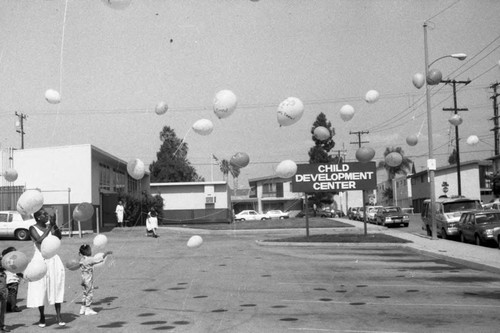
(480, 227)
(392, 216)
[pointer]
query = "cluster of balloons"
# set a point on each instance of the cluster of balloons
(195, 241)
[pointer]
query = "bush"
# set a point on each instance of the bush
(138, 205)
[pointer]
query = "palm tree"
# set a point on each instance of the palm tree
(227, 168)
(404, 168)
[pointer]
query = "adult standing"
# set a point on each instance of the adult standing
(50, 288)
(120, 211)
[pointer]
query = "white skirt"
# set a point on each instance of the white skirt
(49, 289)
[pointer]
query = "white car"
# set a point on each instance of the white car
(370, 213)
(277, 214)
(13, 224)
(249, 215)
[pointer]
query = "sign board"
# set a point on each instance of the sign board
(334, 177)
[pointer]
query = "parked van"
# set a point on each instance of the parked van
(447, 214)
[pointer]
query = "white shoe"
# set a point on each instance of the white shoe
(89, 312)
(82, 309)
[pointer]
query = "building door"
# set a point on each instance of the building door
(108, 206)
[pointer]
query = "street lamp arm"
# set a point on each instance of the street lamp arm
(459, 56)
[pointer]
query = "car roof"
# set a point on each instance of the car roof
(454, 199)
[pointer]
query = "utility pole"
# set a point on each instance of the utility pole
(495, 128)
(455, 110)
(359, 142)
(21, 117)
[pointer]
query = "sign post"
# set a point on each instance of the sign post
(333, 177)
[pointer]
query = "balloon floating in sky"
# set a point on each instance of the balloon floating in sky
(286, 169)
(117, 4)
(52, 96)
(225, 103)
(136, 168)
(10, 175)
(83, 211)
(365, 154)
(203, 127)
(472, 140)
(393, 159)
(418, 80)
(434, 76)
(195, 241)
(372, 96)
(321, 133)
(455, 120)
(290, 111)
(35, 270)
(412, 140)
(49, 246)
(15, 262)
(239, 160)
(29, 202)
(100, 240)
(161, 108)
(346, 112)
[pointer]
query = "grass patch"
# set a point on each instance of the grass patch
(342, 238)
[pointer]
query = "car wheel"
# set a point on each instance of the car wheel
(242, 220)
(477, 240)
(22, 234)
(282, 217)
(462, 238)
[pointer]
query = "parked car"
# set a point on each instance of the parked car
(370, 213)
(351, 213)
(14, 225)
(480, 227)
(326, 213)
(360, 214)
(447, 214)
(392, 216)
(249, 215)
(277, 214)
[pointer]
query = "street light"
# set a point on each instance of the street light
(431, 162)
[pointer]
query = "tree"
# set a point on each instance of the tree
(387, 193)
(227, 168)
(319, 153)
(452, 159)
(172, 164)
(404, 168)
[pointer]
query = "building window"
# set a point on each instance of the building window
(269, 190)
(104, 177)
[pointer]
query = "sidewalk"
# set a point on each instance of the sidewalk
(478, 257)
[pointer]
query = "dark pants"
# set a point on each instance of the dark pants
(12, 296)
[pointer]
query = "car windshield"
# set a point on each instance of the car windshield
(393, 210)
(461, 206)
(488, 218)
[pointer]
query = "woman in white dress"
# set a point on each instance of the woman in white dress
(50, 288)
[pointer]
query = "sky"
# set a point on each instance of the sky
(112, 66)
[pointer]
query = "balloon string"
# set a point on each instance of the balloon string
(61, 65)
(421, 126)
(182, 142)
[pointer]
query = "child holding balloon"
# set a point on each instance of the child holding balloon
(12, 285)
(3, 298)
(87, 263)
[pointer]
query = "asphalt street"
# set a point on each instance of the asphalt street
(237, 282)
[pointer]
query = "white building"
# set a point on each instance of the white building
(69, 175)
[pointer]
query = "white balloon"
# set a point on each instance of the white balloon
(225, 103)
(98, 257)
(346, 112)
(472, 140)
(286, 169)
(10, 175)
(290, 111)
(100, 240)
(161, 108)
(195, 241)
(136, 169)
(117, 4)
(36, 269)
(203, 127)
(418, 80)
(29, 202)
(321, 133)
(372, 96)
(52, 96)
(49, 246)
